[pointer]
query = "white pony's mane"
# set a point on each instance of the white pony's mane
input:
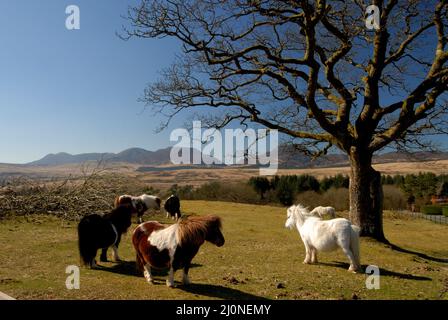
(301, 212)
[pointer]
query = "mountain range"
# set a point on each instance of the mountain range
(288, 158)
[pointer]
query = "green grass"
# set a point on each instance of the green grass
(258, 255)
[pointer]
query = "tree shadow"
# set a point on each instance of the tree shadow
(383, 272)
(419, 254)
(216, 291)
(129, 268)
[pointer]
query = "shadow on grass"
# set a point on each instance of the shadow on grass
(129, 268)
(208, 290)
(216, 291)
(419, 254)
(383, 272)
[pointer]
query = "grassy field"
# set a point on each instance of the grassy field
(260, 260)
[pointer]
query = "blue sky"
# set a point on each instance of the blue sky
(75, 91)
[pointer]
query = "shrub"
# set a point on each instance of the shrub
(445, 211)
(260, 184)
(337, 198)
(234, 192)
(432, 209)
(394, 198)
(285, 193)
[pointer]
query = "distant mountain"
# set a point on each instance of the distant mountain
(132, 155)
(292, 158)
(288, 157)
(66, 158)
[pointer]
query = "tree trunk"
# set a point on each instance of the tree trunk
(366, 195)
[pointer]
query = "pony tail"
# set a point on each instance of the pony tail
(86, 252)
(354, 244)
(138, 263)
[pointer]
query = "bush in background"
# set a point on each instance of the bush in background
(445, 211)
(394, 198)
(432, 209)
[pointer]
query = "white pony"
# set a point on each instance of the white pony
(325, 235)
(322, 211)
(140, 204)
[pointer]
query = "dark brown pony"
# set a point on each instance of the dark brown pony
(159, 246)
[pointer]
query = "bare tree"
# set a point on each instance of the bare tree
(313, 71)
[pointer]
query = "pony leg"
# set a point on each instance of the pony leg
(313, 255)
(353, 264)
(307, 254)
(93, 264)
(147, 273)
(170, 280)
(115, 256)
(103, 257)
(185, 279)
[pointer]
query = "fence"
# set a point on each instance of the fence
(441, 219)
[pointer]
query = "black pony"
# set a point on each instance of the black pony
(172, 207)
(101, 232)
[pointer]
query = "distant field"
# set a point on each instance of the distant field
(167, 176)
(260, 260)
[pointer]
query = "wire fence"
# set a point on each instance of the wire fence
(440, 219)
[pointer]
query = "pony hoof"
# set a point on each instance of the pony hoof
(355, 270)
(306, 262)
(170, 285)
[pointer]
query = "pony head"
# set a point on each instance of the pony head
(290, 220)
(214, 234)
(294, 214)
(197, 229)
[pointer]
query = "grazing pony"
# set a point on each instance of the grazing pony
(172, 207)
(158, 246)
(141, 204)
(325, 235)
(101, 232)
(322, 211)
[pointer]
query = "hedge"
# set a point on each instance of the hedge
(432, 209)
(445, 211)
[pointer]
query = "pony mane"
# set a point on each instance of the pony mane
(121, 216)
(300, 210)
(194, 229)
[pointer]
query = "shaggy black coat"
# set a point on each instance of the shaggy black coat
(172, 206)
(95, 232)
